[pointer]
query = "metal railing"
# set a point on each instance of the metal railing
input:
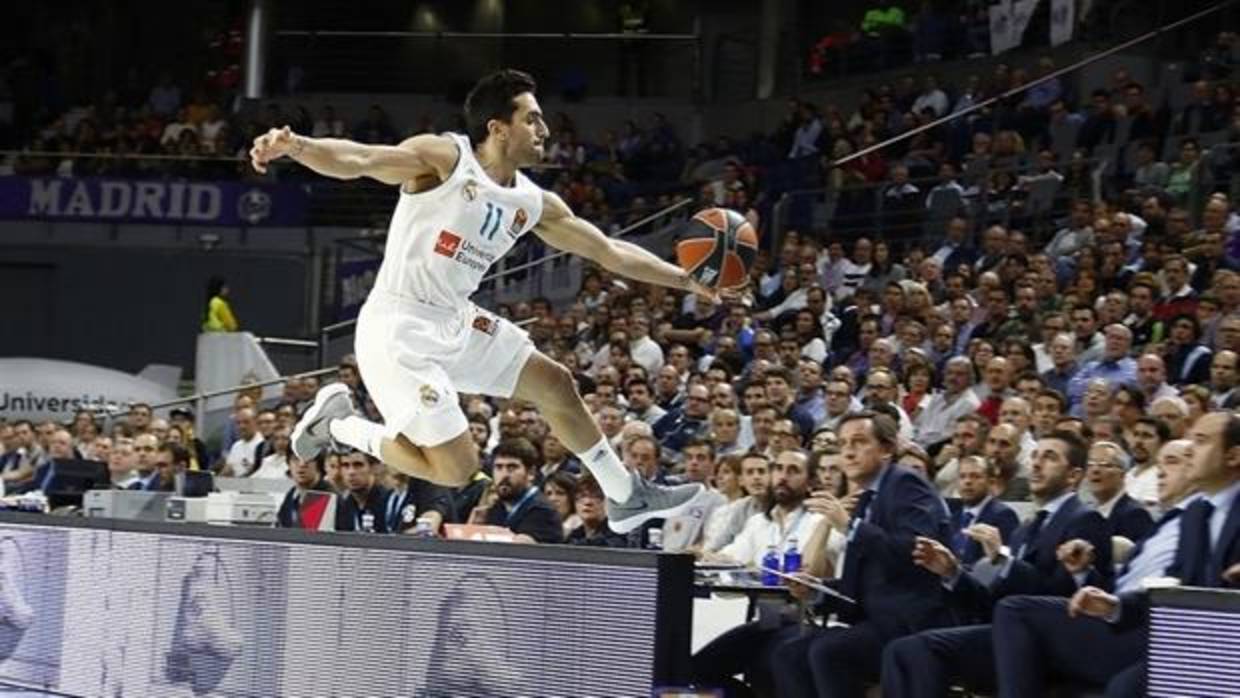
(1109, 174)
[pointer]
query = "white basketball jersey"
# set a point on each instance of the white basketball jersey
(442, 241)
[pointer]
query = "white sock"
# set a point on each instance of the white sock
(359, 433)
(605, 466)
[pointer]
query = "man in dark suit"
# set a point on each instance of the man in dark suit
(1208, 553)
(521, 508)
(893, 596)
(976, 505)
(1105, 476)
(1038, 562)
(1035, 637)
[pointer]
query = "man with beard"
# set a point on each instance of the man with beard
(1141, 480)
(747, 649)
(521, 507)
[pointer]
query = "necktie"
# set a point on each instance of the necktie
(1207, 573)
(961, 540)
(1029, 548)
(863, 505)
(1163, 520)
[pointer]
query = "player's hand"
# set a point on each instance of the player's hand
(934, 556)
(274, 144)
(829, 507)
(701, 291)
(1076, 555)
(988, 537)
(1092, 601)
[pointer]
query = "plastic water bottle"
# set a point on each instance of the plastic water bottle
(654, 539)
(770, 561)
(792, 557)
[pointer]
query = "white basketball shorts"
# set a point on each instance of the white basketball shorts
(415, 359)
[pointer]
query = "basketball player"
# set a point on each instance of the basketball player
(463, 204)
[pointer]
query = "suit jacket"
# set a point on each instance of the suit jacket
(1130, 520)
(1195, 563)
(1191, 564)
(1039, 572)
(895, 595)
(995, 513)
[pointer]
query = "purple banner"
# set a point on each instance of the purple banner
(152, 201)
(354, 279)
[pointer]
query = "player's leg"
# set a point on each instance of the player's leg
(631, 501)
(332, 420)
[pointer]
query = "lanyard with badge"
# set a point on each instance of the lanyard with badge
(396, 511)
(516, 509)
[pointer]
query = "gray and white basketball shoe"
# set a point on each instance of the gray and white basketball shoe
(312, 435)
(651, 501)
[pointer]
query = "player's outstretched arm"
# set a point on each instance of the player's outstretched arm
(416, 157)
(562, 229)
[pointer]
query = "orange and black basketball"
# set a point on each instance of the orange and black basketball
(718, 248)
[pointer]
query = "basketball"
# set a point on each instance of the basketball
(718, 248)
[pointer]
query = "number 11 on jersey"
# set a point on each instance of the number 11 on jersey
(495, 214)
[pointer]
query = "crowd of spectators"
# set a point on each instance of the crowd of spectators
(894, 405)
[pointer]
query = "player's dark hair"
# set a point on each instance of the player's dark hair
(492, 98)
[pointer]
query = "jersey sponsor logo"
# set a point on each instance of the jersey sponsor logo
(518, 222)
(430, 396)
(485, 324)
(447, 244)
